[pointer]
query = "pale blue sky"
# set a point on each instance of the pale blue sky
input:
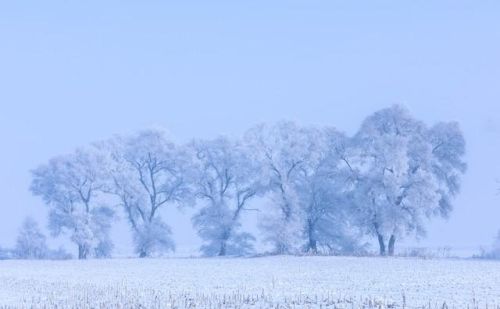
(72, 72)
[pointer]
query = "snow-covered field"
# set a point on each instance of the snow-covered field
(270, 282)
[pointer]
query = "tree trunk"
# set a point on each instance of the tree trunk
(82, 252)
(381, 244)
(222, 251)
(392, 241)
(280, 247)
(312, 246)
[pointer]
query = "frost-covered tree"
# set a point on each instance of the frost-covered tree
(448, 149)
(307, 179)
(323, 186)
(406, 173)
(147, 172)
(70, 185)
(282, 150)
(226, 180)
(31, 243)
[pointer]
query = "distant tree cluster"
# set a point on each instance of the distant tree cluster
(31, 245)
(323, 190)
(493, 252)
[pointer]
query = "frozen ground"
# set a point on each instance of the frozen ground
(271, 282)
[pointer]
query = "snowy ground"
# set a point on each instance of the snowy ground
(271, 282)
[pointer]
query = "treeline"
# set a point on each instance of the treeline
(323, 190)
